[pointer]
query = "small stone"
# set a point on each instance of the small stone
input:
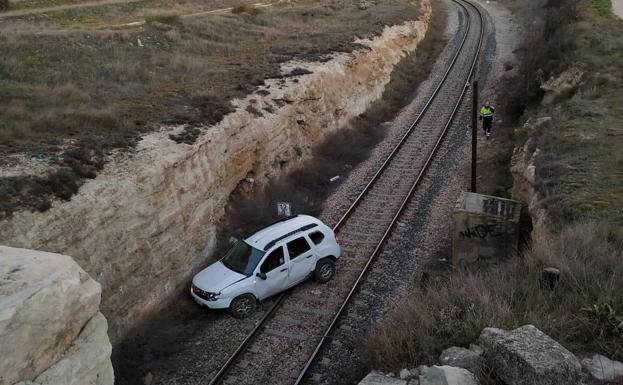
(446, 375)
(476, 349)
(380, 379)
(603, 368)
(404, 374)
(148, 378)
(461, 358)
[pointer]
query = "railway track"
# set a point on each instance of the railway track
(284, 345)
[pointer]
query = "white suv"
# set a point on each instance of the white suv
(270, 261)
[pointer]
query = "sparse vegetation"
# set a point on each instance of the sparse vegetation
(69, 83)
(453, 311)
(5, 5)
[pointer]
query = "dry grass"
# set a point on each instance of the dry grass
(16, 110)
(152, 75)
(454, 311)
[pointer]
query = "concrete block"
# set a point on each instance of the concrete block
(486, 229)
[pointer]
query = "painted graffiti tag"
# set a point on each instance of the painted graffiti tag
(481, 232)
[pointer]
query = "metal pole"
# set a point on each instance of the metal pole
(474, 132)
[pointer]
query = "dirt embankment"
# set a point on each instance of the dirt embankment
(148, 221)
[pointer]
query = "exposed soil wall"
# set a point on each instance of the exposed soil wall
(148, 221)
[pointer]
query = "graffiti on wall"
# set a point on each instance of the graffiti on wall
(493, 230)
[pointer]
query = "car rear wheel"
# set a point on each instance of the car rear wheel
(242, 306)
(325, 270)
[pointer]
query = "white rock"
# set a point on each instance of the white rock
(45, 300)
(87, 361)
(476, 349)
(379, 379)
(603, 368)
(461, 357)
(446, 375)
(404, 374)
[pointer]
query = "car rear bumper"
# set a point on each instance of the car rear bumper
(220, 303)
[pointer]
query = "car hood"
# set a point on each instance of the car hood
(216, 277)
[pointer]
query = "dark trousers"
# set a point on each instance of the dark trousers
(487, 122)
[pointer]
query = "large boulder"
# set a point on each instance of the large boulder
(46, 300)
(603, 368)
(87, 361)
(461, 358)
(527, 356)
(446, 375)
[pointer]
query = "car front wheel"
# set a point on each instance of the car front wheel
(325, 270)
(242, 306)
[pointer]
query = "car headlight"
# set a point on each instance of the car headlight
(206, 295)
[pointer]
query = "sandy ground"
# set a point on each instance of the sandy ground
(617, 8)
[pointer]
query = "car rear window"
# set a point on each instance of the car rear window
(316, 237)
(298, 247)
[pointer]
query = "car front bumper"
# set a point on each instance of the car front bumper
(221, 303)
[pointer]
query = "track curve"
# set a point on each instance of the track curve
(284, 345)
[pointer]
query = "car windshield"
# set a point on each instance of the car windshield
(242, 258)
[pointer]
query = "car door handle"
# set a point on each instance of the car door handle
(282, 270)
(309, 256)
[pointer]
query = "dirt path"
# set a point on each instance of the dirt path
(202, 13)
(35, 11)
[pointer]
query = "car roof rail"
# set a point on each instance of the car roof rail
(275, 222)
(300, 229)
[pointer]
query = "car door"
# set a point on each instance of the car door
(301, 256)
(276, 269)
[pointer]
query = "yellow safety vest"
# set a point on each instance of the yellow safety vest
(486, 111)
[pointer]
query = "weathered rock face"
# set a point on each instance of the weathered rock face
(523, 170)
(446, 375)
(148, 221)
(461, 358)
(527, 356)
(50, 327)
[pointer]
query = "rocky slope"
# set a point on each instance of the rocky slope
(51, 330)
(144, 225)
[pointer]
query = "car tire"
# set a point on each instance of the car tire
(242, 306)
(325, 270)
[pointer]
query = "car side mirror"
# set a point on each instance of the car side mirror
(261, 275)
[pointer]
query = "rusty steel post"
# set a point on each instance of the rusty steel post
(474, 132)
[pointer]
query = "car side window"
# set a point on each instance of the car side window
(273, 261)
(316, 237)
(298, 247)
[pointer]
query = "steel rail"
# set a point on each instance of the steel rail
(220, 375)
(399, 212)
